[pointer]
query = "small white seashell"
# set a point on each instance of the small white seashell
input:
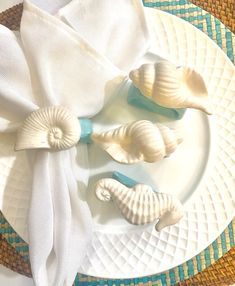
(140, 205)
(172, 87)
(138, 141)
(53, 127)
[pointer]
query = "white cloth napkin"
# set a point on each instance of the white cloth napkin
(116, 29)
(52, 64)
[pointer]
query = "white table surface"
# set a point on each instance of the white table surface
(10, 278)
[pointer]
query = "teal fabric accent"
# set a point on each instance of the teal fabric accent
(231, 234)
(172, 276)
(181, 272)
(165, 3)
(199, 26)
(163, 279)
(190, 268)
(136, 99)
(207, 257)
(86, 130)
(218, 33)
(208, 25)
(229, 45)
(199, 265)
(128, 182)
(215, 248)
(223, 240)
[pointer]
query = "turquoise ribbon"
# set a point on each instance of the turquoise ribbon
(136, 98)
(86, 130)
(128, 182)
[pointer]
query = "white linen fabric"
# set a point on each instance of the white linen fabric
(52, 64)
(51, 6)
(117, 29)
(16, 96)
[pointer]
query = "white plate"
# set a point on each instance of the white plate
(8, 277)
(200, 172)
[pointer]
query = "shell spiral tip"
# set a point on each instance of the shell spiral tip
(102, 194)
(133, 75)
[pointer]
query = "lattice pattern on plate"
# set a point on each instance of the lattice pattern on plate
(211, 208)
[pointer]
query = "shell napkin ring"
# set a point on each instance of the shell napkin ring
(53, 127)
(139, 141)
(171, 86)
(140, 204)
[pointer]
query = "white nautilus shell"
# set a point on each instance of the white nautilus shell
(140, 204)
(171, 86)
(139, 141)
(53, 127)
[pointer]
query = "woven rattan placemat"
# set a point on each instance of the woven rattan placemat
(222, 9)
(216, 264)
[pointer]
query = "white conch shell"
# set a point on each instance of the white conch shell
(140, 205)
(139, 141)
(53, 127)
(172, 87)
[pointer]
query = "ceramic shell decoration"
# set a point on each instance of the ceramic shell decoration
(54, 128)
(171, 86)
(139, 141)
(140, 204)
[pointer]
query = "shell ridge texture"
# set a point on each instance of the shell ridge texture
(171, 86)
(140, 205)
(138, 141)
(53, 127)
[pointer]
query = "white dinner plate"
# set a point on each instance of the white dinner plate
(201, 171)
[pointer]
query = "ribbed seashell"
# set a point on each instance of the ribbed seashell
(171, 86)
(138, 141)
(140, 205)
(53, 127)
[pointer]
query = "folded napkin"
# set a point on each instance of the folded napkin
(52, 63)
(117, 29)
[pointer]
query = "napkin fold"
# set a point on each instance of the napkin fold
(61, 210)
(53, 63)
(16, 96)
(65, 69)
(116, 29)
(51, 6)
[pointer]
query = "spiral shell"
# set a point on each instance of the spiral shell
(53, 127)
(139, 141)
(140, 205)
(172, 87)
